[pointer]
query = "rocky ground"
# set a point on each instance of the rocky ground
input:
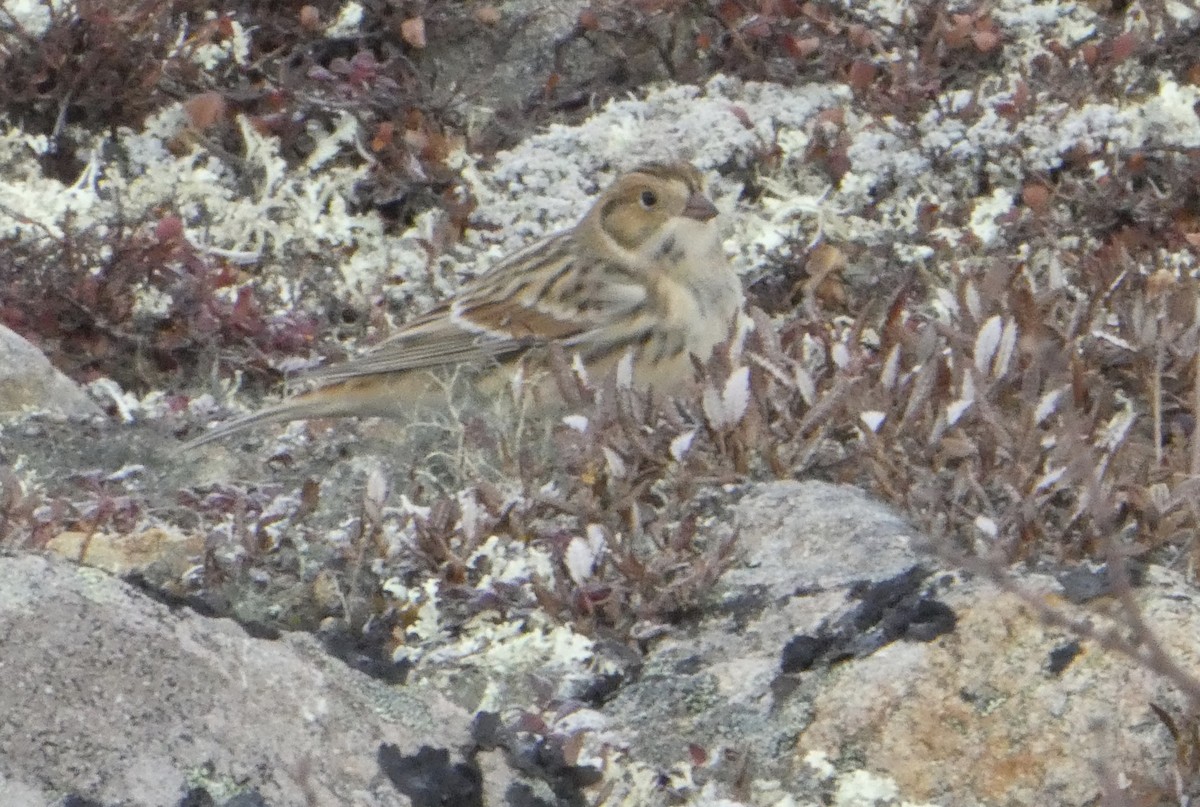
(928, 539)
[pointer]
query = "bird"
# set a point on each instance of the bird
(643, 274)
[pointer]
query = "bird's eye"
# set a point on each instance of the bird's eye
(649, 199)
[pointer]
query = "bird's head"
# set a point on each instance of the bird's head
(643, 206)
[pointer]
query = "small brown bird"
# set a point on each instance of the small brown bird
(642, 274)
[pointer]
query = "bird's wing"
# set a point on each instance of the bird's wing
(517, 304)
(432, 341)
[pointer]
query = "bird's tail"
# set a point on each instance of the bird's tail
(359, 397)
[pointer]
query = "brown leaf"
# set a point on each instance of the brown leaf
(1159, 282)
(824, 266)
(861, 37)
(834, 115)
(985, 41)
(801, 48)
(487, 15)
(310, 18)
(957, 33)
(1036, 197)
(204, 110)
(412, 31)
(384, 133)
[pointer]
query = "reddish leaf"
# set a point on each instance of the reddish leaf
(1123, 47)
(861, 75)
(742, 115)
(730, 12)
(169, 229)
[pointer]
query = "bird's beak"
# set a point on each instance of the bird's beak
(699, 207)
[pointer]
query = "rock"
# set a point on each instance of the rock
(174, 551)
(842, 662)
(118, 699)
(504, 64)
(838, 662)
(827, 536)
(29, 382)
